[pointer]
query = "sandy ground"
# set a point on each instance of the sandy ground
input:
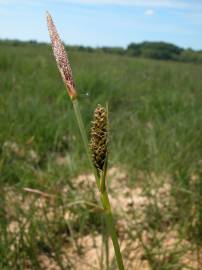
(133, 206)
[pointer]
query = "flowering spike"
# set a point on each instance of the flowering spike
(98, 143)
(61, 58)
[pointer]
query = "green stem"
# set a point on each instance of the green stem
(111, 228)
(84, 137)
(103, 193)
(106, 247)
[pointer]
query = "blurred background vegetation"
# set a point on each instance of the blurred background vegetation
(147, 49)
(155, 110)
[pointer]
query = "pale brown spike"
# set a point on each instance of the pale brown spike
(61, 58)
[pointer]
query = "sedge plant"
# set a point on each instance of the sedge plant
(97, 150)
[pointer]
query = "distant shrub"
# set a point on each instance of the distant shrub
(114, 50)
(191, 56)
(156, 50)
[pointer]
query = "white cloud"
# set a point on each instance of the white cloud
(149, 12)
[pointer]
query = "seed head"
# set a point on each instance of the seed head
(98, 142)
(61, 58)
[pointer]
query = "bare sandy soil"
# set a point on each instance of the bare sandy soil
(142, 247)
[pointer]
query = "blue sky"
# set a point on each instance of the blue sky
(105, 22)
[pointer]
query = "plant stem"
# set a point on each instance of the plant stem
(106, 237)
(111, 228)
(103, 192)
(84, 137)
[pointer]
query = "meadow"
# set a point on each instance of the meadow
(47, 217)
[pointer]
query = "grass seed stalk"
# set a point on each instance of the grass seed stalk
(97, 154)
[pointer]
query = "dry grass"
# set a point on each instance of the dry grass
(143, 245)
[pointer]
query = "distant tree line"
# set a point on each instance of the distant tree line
(152, 50)
(163, 51)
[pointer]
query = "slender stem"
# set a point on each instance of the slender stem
(103, 192)
(106, 248)
(84, 137)
(111, 228)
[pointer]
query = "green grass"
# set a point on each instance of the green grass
(155, 111)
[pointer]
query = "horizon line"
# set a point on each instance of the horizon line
(100, 46)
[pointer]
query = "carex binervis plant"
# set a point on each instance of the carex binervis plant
(97, 148)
